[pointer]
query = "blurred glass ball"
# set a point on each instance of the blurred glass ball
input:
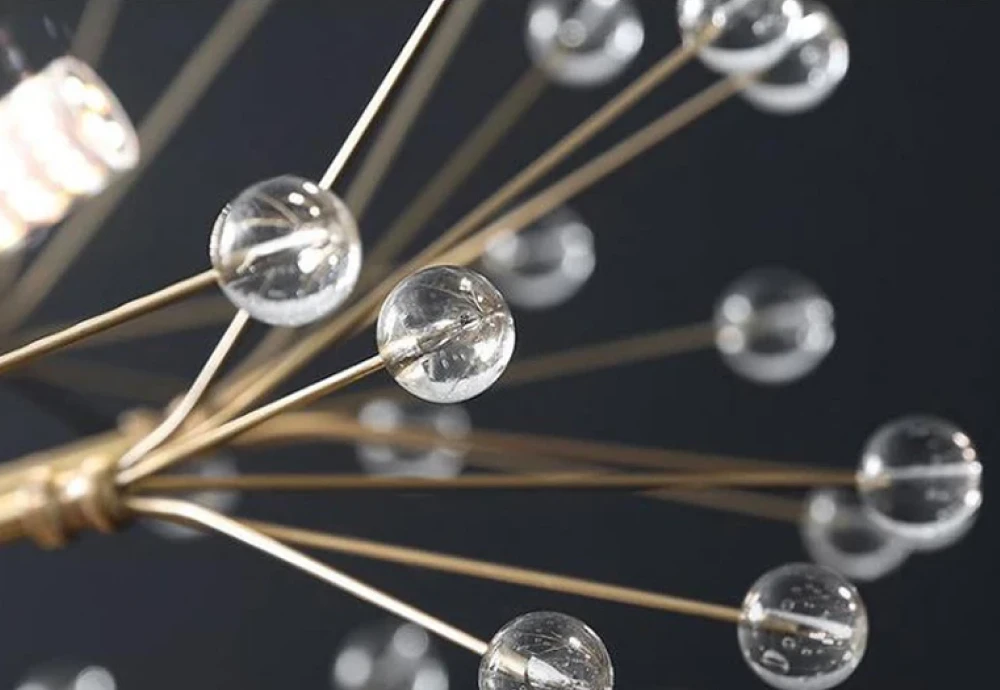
(389, 655)
(222, 501)
(387, 415)
(68, 676)
(286, 251)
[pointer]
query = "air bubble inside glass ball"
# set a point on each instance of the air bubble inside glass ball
(546, 651)
(752, 34)
(286, 251)
(920, 478)
(544, 264)
(388, 415)
(220, 500)
(811, 69)
(803, 627)
(773, 326)
(838, 533)
(583, 42)
(388, 655)
(445, 334)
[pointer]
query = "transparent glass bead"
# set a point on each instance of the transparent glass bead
(445, 333)
(839, 534)
(803, 627)
(544, 264)
(387, 415)
(546, 651)
(221, 501)
(920, 478)
(286, 251)
(753, 34)
(388, 655)
(810, 70)
(68, 676)
(583, 42)
(773, 326)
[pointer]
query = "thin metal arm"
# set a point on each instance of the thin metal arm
(94, 29)
(191, 514)
(108, 319)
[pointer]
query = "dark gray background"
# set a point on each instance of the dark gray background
(880, 196)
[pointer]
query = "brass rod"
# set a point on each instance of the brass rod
(541, 481)
(166, 115)
(496, 572)
(191, 514)
(189, 446)
(97, 21)
(382, 93)
(109, 319)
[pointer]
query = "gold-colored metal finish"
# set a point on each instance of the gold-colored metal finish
(497, 572)
(191, 514)
(109, 319)
(94, 29)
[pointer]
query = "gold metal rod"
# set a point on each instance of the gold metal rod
(483, 139)
(109, 319)
(382, 93)
(543, 481)
(165, 116)
(97, 21)
(412, 97)
(179, 414)
(189, 446)
(192, 514)
(419, 558)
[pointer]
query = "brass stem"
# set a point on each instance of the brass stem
(97, 21)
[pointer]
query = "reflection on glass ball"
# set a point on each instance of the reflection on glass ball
(753, 34)
(803, 627)
(388, 656)
(387, 415)
(811, 69)
(68, 676)
(773, 326)
(839, 534)
(546, 651)
(286, 251)
(583, 42)
(445, 333)
(221, 501)
(544, 264)
(920, 478)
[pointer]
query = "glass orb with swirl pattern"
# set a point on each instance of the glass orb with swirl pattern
(546, 651)
(286, 251)
(583, 42)
(445, 334)
(803, 627)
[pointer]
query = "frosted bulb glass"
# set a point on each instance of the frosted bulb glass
(286, 251)
(445, 334)
(387, 415)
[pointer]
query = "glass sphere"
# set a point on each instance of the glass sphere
(920, 478)
(753, 34)
(387, 415)
(839, 534)
(68, 676)
(389, 655)
(546, 651)
(221, 501)
(803, 627)
(544, 264)
(583, 42)
(773, 326)
(810, 70)
(286, 251)
(445, 333)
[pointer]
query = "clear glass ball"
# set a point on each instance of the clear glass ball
(68, 676)
(387, 415)
(286, 251)
(544, 264)
(583, 42)
(445, 333)
(388, 655)
(546, 651)
(810, 70)
(803, 627)
(753, 34)
(219, 466)
(773, 326)
(921, 479)
(838, 533)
